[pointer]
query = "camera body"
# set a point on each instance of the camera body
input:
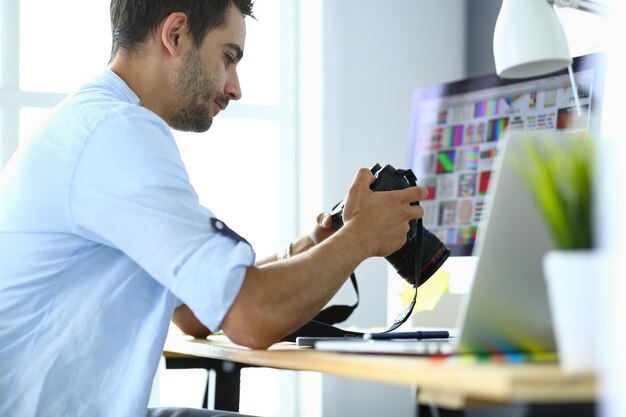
(426, 247)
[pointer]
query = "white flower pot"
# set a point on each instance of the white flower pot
(569, 276)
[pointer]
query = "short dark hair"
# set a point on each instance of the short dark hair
(133, 20)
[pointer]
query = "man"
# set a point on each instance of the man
(103, 241)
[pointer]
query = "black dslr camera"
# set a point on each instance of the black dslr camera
(422, 248)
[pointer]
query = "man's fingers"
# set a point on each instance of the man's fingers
(417, 212)
(324, 220)
(364, 176)
(412, 194)
(419, 193)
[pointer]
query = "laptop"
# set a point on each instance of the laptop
(506, 309)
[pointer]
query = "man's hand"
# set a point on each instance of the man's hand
(322, 229)
(381, 217)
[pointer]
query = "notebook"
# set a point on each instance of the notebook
(506, 308)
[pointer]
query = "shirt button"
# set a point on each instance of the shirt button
(219, 225)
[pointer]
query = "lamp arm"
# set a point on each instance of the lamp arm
(584, 5)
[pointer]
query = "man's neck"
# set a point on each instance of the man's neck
(147, 78)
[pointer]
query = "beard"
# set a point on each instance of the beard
(193, 81)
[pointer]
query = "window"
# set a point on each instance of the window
(62, 43)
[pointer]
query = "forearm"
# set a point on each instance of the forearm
(279, 297)
(298, 246)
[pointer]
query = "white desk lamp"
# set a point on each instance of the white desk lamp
(529, 40)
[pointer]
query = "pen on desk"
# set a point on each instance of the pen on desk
(421, 334)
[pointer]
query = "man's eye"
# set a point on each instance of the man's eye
(229, 59)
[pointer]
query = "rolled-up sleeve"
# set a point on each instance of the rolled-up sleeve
(130, 191)
(197, 286)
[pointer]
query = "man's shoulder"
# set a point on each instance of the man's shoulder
(95, 109)
(106, 97)
(105, 104)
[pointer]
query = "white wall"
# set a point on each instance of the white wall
(374, 54)
(608, 284)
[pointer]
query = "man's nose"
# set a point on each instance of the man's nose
(232, 89)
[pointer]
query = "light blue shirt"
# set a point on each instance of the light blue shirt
(101, 237)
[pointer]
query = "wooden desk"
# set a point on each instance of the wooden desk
(451, 383)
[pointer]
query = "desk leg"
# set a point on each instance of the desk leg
(227, 387)
(227, 379)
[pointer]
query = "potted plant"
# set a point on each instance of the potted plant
(558, 172)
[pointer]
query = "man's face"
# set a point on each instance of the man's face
(207, 78)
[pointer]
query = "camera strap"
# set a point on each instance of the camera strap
(406, 313)
(338, 313)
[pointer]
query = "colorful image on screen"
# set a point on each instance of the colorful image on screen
(456, 128)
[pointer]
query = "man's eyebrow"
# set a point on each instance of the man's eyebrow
(237, 50)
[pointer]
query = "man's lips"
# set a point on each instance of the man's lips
(221, 104)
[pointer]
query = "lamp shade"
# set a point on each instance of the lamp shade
(529, 40)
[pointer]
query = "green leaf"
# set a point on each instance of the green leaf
(559, 179)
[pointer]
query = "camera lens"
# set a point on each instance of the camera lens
(434, 254)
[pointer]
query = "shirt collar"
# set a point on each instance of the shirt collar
(119, 85)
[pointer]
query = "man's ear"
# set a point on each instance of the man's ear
(174, 33)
